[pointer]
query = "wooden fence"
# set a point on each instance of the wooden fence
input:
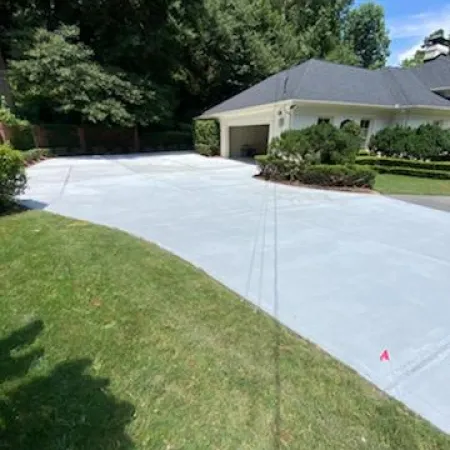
(71, 139)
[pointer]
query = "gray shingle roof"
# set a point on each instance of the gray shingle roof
(322, 81)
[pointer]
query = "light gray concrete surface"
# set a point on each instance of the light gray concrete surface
(357, 273)
(441, 202)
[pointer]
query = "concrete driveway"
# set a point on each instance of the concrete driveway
(357, 273)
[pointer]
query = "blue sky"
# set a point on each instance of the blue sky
(409, 21)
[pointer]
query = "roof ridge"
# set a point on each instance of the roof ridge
(397, 86)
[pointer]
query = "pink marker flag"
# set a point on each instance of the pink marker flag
(385, 356)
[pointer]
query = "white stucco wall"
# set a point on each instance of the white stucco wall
(283, 116)
(415, 119)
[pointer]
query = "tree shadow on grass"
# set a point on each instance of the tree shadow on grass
(11, 365)
(9, 208)
(66, 409)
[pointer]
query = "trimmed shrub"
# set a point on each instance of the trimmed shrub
(394, 141)
(323, 143)
(423, 173)
(12, 174)
(338, 176)
(207, 137)
(277, 169)
(426, 142)
(431, 141)
(35, 155)
(399, 162)
(295, 146)
(335, 146)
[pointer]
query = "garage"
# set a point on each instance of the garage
(248, 141)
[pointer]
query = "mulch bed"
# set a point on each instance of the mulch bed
(323, 188)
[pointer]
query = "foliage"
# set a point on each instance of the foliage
(7, 117)
(344, 54)
(207, 137)
(12, 174)
(166, 61)
(429, 141)
(334, 145)
(279, 169)
(414, 61)
(393, 141)
(323, 143)
(354, 130)
(401, 162)
(338, 176)
(295, 146)
(21, 137)
(35, 155)
(43, 84)
(412, 172)
(365, 31)
(273, 167)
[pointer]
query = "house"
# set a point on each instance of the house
(318, 91)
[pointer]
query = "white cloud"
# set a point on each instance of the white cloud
(419, 25)
(408, 53)
(413, 28)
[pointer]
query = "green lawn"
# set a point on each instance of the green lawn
(400, 184)
(108, 342)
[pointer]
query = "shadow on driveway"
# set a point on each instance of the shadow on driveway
(431, 201)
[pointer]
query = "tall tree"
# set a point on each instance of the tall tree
(56, 78)
(343, 54)
(365, 31)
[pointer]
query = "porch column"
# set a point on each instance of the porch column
(224, 140)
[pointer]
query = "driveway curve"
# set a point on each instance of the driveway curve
(357, 273)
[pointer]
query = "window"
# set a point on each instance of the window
(365, 125)
(322, 120)
(439, 123)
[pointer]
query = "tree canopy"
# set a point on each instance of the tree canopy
(161, 62)
(365, 31)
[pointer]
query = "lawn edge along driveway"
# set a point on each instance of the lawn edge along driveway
(123, 345)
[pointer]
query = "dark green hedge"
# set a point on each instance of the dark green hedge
(12, 175)
(207, 137)
(399, 162)
(273, 168)
(423, 173)
(22, 137)
(166, 140)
